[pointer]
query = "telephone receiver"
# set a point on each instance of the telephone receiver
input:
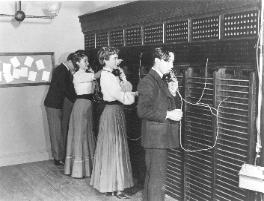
(167, 77)
(88, 70)
(117, 72)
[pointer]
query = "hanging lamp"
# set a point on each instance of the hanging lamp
(53, 10)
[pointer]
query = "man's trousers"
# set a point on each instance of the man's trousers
(58, 121)
(156, 167)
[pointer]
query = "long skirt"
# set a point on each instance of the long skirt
(80, 141)
(112, 168)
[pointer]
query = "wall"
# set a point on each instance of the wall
(60, 35)
(23, 125)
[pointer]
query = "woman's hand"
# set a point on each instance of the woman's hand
(98, 74)
(135, 93)
(122, 74)
(119, 61)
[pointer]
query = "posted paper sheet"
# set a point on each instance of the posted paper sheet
(24, 72)
(32, 76)
(40, 64)
(15, 62)
(45, 76)
(6, 68)
(28, 61)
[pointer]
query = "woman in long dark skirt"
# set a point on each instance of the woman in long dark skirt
(112, 168)
(81, 142)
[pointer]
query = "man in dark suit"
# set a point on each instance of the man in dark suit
(157, 107)
(58, 104)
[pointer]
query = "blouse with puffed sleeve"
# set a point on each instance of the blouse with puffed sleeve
(83, 82)
(111, 88)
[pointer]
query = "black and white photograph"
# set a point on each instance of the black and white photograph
(140, 100)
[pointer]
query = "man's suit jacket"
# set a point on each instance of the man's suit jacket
(61, 87)
(153, 103)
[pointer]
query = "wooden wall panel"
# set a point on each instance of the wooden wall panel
(198, 165)
(235, 131)
(175, 173)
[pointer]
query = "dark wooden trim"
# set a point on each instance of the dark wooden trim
(216, 84)
(145, 12)
(24, 84)
(252, 99)
(261, 116)
(187, 74)
(25, 53)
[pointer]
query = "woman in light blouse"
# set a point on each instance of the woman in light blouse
(80, 142)
(112, 171)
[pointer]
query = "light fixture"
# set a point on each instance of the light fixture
(52, 11)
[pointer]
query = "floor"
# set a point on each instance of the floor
(43, 181)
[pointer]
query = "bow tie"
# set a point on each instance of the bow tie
(88, 71)
(166, 77)
(116, 72)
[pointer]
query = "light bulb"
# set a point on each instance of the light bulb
(54, 8)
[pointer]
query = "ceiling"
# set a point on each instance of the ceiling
(82, 7)
(93, 6)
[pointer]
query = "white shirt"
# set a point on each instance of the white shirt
(111, 89)
(66, 66)
(83, 82)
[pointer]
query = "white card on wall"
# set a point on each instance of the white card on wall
(15, 62)
(16, 73)
(28, 61)
(24, 72)
(40, 64)
(45, 75)
(6, 68)
(32, 76)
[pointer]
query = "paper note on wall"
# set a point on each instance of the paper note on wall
(6, 68)
(23, 72)
(8, 78)
(28, 61)
(15, 62)
(40, 64)
(45, 75)
(16, 73)
(32, 76)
